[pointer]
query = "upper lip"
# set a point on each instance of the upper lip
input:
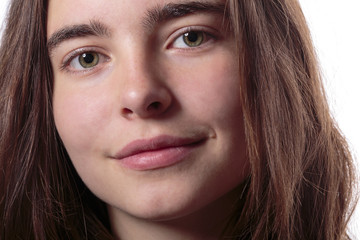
(156, 143)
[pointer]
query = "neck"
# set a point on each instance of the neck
(206, 223)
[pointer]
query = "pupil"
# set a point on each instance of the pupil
(88, 58)
(192, 36)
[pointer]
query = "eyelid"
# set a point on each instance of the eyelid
(65, 63)
(208, 31)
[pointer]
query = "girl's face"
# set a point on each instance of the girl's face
(147, 102)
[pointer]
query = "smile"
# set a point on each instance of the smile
(159, 152)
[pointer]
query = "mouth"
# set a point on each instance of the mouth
(159, 152)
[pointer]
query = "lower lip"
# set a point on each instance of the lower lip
(157, 159)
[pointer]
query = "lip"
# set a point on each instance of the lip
(159, 152)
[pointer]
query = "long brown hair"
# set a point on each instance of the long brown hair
(302, 173)
(301, 170)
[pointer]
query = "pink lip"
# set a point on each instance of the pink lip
(158, 152)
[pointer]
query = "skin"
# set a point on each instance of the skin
(99, 110)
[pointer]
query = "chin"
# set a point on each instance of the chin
(165, 209)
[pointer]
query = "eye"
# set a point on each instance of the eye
(82, 60)
(190, 39)
(85, 60)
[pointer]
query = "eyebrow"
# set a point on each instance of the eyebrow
(171, 11)
(153, 17)
(95, 28)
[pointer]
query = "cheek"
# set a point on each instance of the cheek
(79, 117)
(210, 94)
(211, 87)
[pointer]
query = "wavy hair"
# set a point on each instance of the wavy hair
(301, 179)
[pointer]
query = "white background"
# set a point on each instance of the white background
(335, 27)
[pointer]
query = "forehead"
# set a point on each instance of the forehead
(124, 13)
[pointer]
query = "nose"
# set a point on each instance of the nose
(145, 101)
(144, 94)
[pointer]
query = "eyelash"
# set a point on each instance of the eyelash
(77, 53)
(207, 37)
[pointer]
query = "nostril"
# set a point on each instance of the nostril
(154, 106)
(127, 111)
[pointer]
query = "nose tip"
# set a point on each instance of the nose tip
(146, 102)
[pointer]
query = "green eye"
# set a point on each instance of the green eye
(193, 39)
(89, 60)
